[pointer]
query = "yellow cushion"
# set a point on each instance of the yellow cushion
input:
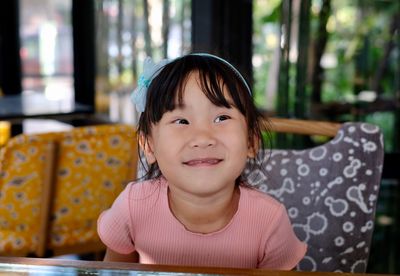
(22, 167)
(94, 165)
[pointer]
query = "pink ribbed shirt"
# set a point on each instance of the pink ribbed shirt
(258, 236)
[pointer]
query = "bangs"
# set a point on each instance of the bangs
(217, 81)
(212, 85)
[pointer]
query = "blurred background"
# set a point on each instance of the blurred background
(334, 60)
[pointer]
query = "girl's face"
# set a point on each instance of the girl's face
(200, 148)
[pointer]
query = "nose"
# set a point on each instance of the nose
(202, 137)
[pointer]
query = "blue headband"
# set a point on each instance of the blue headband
(151, 70)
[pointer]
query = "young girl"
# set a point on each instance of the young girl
(197, 128)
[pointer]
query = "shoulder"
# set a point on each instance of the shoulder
(140, 184)
(145, 191)
(260, 204)
(144, 187)
(255, 196)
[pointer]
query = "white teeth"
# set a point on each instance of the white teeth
(205, 161)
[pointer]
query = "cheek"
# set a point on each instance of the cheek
(238, 139)
(166, 145)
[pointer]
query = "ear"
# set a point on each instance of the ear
(254, 146)
(146, 144)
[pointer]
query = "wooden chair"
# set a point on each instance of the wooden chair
(25, 185)
(330, 191)
(304, 127)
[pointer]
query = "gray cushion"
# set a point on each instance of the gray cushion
(330, 192)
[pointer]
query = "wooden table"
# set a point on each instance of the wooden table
(39, 266)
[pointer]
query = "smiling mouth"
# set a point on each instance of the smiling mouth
(202, 162)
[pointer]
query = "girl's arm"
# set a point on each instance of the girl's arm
(112, 256)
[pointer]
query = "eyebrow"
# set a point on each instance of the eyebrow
(183, 105)
(179, 105)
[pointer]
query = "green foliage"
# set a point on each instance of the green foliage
(274, 15)
(385, 121)
(358, 34)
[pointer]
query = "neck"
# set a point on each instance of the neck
(204, 214)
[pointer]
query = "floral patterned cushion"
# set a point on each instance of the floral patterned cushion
(91, 168)
(22, 173)
(330, 192)
(94, 164)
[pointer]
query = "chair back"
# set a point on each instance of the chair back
(93, 165)
(25, 181)
(330, 192)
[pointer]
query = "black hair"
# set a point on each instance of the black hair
(167, 88)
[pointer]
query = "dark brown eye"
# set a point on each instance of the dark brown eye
(181, 122)
(221, 118)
